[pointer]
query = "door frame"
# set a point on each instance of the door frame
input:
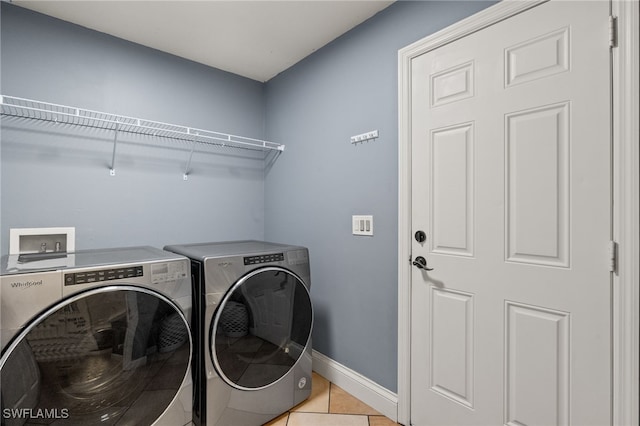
(626, 192)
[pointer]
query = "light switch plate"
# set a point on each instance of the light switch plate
(362, 224)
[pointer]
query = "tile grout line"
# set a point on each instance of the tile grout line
(328, 409)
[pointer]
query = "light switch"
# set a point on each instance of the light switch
(362, 225)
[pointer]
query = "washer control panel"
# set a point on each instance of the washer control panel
(264, 258)
(103, 275)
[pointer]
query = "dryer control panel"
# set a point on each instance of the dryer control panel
(103, 275)
(264, 258)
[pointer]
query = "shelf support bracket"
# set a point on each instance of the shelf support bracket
(112, 171)
(185, 176)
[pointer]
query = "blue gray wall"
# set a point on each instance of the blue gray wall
(347, 88)
(57, 176)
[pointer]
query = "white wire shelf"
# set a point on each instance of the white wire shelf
(37, 110)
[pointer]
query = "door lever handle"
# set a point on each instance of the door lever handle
(421, 263)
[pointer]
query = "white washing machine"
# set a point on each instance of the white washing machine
(103, 340)
(253, 330)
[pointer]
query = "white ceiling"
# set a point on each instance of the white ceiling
(255, 39)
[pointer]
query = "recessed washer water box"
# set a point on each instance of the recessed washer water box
(41, 247)
(41, 240)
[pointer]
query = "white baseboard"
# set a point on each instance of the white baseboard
(367, 391)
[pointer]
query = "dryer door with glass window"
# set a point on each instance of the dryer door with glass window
(261, 328)
(112, 355)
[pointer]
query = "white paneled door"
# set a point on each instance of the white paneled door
(511, 185)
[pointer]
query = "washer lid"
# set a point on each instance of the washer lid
(202, 251)
(88, 258)
(111, 256)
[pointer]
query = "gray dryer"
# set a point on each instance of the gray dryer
(252, 328)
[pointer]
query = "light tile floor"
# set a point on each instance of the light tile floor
(329, 405)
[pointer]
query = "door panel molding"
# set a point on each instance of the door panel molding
(519, 70)
(533, 235)
(524, 404)
(452, 192)
(626, 137)
(451, 369)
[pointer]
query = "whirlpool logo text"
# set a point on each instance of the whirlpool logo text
(25, 284)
